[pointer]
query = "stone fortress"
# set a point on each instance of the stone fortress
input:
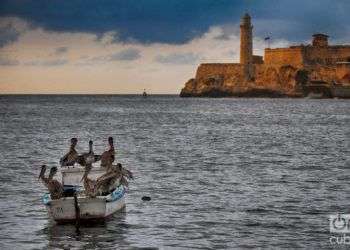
(317, 69)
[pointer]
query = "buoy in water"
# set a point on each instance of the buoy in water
(146, 198)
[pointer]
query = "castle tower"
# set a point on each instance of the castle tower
(319, 40)
(246, 53)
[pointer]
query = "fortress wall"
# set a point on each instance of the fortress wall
(343, 72)
(321, 73)
(274, 76)
(284, 56)
(226, 70)
(327, 55)
(297, 56)
(258, 59)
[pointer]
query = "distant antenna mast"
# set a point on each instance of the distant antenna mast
(268, 40)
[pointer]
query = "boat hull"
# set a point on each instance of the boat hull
(91, 209)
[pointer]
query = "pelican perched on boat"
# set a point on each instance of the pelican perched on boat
(42, 175)
(108, 181)
(87, 158)
(105, 183)
(126, 174)
(70, 158)
(55, 187)
(115, 176)
(107, 157)
(90, 185)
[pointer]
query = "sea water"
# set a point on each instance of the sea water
(221, 173)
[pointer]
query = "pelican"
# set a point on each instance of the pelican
(115, 176)
(107, 157)
(87, 158)
(108, 181)
(55, 187)
(126, 174)
(70, 158)
(90, 185)
(101, 185)
(42, 175)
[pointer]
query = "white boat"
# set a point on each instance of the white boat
(144, 94)
(99, 208)
(83, 208)
(71, 176)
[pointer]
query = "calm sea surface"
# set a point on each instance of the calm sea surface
(222, 173)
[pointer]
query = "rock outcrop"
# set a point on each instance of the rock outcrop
(216, 81)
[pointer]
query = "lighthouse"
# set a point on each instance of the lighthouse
(246, 51)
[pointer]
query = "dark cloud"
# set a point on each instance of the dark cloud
(8, 62)
(61, 50)
(8, 34)
(176, 21)
(48, 63)
(125, 55)
(177, 58)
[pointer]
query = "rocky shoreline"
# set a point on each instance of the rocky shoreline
(216, 89)
(217, 93)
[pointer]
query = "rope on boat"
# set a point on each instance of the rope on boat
(77, 212)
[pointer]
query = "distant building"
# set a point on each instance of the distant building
(318, 53)
(281, 70)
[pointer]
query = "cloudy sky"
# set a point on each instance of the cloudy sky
(124, 46)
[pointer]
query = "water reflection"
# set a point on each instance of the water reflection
(108, 234)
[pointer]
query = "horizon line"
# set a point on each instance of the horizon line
(140, 94)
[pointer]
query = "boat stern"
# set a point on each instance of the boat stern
(97, 208)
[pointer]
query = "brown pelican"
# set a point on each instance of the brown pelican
(70, 158)
(89, 184)
(55, 187)
(87, 158)
(108, 181)
(126, 174)
(100, 186)
(107, 157)
(42, 175)
(115, 176)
